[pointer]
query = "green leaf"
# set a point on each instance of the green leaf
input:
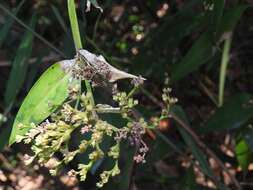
(230, 18)
(199, 54)
(217, 14)
(8, 23)
(19, 66)
(233, 114)
(243, 155)
(46, 95)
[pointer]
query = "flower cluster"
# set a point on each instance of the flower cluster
(168, 100)
(79, 114)
(125, 103)
(135, 138)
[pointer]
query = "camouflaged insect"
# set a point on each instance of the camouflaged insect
(88, 66)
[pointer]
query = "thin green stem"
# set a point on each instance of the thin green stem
(133, 91)
(77, 37)
(79, 95)
(223, 68)
(74, 24)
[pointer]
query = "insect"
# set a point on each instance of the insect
(88, 66)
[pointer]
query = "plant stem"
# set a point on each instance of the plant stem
(74, 24)
(77, 38)
(223, 68)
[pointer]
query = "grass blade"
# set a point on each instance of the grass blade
(217, 14)
(19, 67)
(8, 23)
(59, 18)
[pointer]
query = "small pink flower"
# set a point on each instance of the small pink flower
(139, 159)
(85, 129)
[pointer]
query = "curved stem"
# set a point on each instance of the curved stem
(77, 38)
(223, 68)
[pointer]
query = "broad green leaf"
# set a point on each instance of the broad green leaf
(19, 67)
(8, 23)
(45, 96)
(243, 155)
(199, 54)
(233, 114)
(32, 73)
